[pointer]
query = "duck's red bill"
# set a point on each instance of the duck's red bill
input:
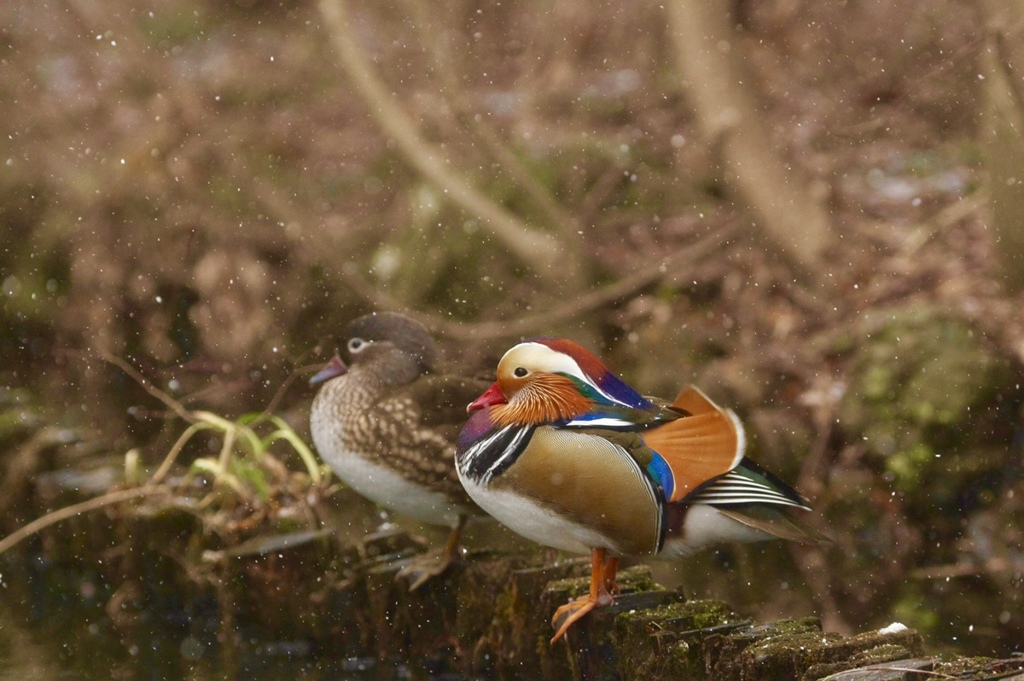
(492, 395)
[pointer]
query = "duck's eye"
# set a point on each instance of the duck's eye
(356, 345)
(520, 372)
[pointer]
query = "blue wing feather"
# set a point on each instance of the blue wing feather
(659, 469)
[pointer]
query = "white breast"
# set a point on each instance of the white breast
(372, 479)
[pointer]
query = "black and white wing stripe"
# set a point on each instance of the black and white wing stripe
(747, 484)
(494, 453)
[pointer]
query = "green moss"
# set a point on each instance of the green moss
(879, 654)
(636, 579)
(679, 618)
(909, 609)
(173, 28)
(974, 668)
(915, 375)
(668, 641)
(673, 660)
(905, 465)
(17, 416)
(698, 614)
(877, 382)
(571, 587)
(882, 655)
(780, 650)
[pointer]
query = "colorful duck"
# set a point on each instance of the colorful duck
(565, 453)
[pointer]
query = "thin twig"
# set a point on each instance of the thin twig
(124, 366)
(910, 670)
(619, 290)
(268, 411)
(967, 569)
(525, 325)
(532, 323)
(172, 455)
(77, 509)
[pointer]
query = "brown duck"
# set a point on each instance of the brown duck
(385, 420)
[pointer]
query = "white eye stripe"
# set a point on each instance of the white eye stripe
(355, 345)
(542, 358)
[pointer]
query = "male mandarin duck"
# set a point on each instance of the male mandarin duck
(565, 453)
(386, 422)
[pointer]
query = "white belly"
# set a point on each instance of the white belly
(382, 485)
(535, 522)
(705, 526)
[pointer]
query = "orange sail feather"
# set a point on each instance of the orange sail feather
(699, 447)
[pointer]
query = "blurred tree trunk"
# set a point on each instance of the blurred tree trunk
(788, 212)
(1002, 131)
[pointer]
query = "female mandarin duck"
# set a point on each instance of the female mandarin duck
(565, 453)
(385, 421)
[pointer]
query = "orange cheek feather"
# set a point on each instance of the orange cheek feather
(544, 399)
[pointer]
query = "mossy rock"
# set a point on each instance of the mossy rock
(879, 655)
(918, 378)
(668, 641)
(982, 668)
(763, 651)
(794, 649)
(635, 579)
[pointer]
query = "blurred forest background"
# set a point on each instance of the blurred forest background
(811, 210)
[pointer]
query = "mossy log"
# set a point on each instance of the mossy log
(487, 616)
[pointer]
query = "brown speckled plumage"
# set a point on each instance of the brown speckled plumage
(391, 412)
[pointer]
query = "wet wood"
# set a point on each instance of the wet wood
(488, 616)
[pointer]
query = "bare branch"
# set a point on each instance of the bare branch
(967, 569)
(146, 385)
(541, 252)
(447, 68)
(76, 510)
(790, 216)
(521, 326)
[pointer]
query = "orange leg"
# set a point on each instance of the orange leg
(602, 585)
(611, 566)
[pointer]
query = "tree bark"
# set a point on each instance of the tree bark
(1002, 63)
